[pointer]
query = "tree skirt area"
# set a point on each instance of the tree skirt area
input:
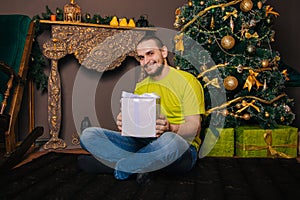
(56, 176)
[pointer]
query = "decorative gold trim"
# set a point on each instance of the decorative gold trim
(54, 49)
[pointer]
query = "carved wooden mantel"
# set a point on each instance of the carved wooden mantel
(97, 47)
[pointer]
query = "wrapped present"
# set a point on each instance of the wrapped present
(222, 146)
(252, 141)
(139, 114)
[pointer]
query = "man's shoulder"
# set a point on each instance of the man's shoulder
(184, 73)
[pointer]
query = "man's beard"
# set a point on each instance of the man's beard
(157, 72)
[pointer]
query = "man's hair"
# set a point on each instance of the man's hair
(157, 41)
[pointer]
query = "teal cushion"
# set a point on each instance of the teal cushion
(13, 34)
(1, 98)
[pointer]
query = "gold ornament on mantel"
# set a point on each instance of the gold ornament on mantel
(72, 12)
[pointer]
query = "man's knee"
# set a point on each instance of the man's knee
(87, 135)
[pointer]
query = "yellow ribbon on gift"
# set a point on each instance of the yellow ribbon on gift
(251, 80)
(249, 35)
(269, 10)
(228, 14)
(179, 42)
(270, 148)
(214, 82)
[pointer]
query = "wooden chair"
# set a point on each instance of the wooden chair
(16, 39)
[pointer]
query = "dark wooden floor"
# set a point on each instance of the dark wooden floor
(55, 176)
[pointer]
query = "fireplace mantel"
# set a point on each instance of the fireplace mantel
(96, 47)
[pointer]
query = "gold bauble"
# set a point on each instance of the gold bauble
(267, 114)
(238, 106)
(246, 116)
(190, 3)
(244, 103)
(230, 83)
(282, 118)
(265, 63)
(227, 42)
(246, 5)
(201, 3)
(225, 112)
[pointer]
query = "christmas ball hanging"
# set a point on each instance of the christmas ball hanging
(239, 68)
(246, 116)
(230, 83)
(225, 112)
(238, 105)
(250, 49)
(246, 5)
(270, 20)
(267, 115)
(259, 4)
(287, 108)
(265, 63)
(227, 42)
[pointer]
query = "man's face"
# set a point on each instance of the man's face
(151, 57)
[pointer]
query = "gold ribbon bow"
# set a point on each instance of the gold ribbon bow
(270, 148)
(228, 14)
(179, 42)
(249, 35)
(251, 80)
(285, 74)
(269, 10)
(214, 82)
(246, 105)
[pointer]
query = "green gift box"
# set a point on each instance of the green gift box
(222, 146)
(252, 141)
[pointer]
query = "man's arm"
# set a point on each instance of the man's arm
(119, 121)
(190, 128)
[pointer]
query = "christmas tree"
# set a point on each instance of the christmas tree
(242, 75)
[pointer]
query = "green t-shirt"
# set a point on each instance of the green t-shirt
(181, 94)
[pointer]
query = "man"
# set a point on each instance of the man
(175, 147)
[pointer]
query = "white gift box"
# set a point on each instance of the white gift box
(139, 114)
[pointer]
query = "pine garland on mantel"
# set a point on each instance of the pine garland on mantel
(37, 62)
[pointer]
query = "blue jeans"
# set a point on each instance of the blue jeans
(128, 155)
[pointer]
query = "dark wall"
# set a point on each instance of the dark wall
(161, 14)
(287, 42)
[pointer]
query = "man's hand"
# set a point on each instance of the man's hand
(162, 125)
(119, 121)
